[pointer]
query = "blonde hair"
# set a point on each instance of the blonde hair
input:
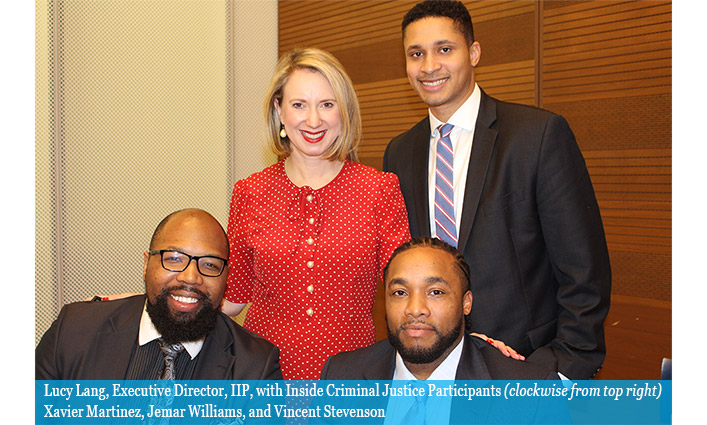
(346, 144)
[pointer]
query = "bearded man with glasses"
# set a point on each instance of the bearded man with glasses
(173, 331)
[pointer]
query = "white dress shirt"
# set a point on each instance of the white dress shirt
(462, 136)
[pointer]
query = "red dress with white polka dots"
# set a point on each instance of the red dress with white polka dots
(309, 259)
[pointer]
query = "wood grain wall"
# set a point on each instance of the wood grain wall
(604, 65)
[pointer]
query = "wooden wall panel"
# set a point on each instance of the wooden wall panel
(388, 108)
(334, 25)
(606, 66)
(637, 338)
(512, 82)
(631, 122)
(633, 188)
(596, 50)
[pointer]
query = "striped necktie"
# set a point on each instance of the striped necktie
(444, 188)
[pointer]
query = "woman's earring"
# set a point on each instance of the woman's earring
(283, 133)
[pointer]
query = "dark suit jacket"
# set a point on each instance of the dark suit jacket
(530, 230)
(479, 361)
(94, 340)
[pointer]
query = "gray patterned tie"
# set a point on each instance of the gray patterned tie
(170, 351)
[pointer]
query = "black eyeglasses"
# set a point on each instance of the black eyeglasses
(177, 261)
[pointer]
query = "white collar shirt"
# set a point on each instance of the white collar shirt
(437, 408)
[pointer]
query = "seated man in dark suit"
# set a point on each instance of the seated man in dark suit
(174, 331)
(427, 297)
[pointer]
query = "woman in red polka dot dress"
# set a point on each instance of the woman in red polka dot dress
(311, 234)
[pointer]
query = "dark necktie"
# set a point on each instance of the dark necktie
(444, 188)
(417, 412)
(170, 351)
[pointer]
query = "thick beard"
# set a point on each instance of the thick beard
(180, 326)
(417, 355)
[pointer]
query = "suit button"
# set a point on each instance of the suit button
(310, 312)
(310, 289)
(310, 241)
(311, 220)
(309, 198)
(310, 264)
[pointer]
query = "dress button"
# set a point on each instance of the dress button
(310, 264)
(310, 289)
(309, 198)
(310, 241)
(311, 220)
(310, 312)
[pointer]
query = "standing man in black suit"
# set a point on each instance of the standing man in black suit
(515, 198)
(131, 338)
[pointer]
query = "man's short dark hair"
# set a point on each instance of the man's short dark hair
(454, 10)
(419, 242)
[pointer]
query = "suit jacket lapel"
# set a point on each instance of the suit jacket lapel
(216, 358)
(471, 367)
(471, 363)
(419, 169)
(481, 151)
(383, 368)
(114, 345)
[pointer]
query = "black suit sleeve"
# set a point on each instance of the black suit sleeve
(271, 370)
(406, 156)
(552, 376)
(386, 166)
(256, 358)
(574, 237)
(325, 369)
